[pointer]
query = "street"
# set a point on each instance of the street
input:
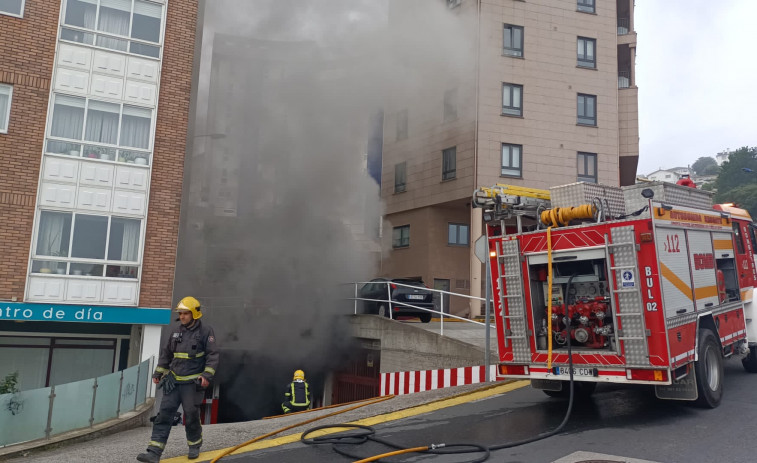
(623, 422)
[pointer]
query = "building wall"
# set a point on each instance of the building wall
(27, 47)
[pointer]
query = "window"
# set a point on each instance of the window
(99, 123)
(738, 237)
(587, 167)
(449, 163)
(457, 234)
(586, 6)
(512, 102)
(115, 22)
(83, 244)
(12, 7)
(587, 109)
(513, 41)
(586, 56)
(6, 93)
(401, 236)
(511, 160)
(400, 177)
(402, 125)
(450, 105)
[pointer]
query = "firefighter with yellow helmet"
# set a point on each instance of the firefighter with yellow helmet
(187, 364)
(297, 394)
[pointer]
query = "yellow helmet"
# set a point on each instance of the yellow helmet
(191, 304)
(299, 374)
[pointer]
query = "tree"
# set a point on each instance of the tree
(703, 164)
(736, 185)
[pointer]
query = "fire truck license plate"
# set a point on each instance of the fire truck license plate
(416, 297)
(576, 371)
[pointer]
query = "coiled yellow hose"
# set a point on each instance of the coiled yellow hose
(560, 216)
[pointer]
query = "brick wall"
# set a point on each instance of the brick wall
(27, 49)
(168, 159)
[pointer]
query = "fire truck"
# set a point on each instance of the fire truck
(648, 284)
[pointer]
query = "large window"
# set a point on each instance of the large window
(587, 109)
(102, 127)
(457, 234)
(401, 236)
(123, 25)
(512, 100)
(586, 52)
(87, 245)
(587, 167)
(512, 40)
(450, 105)
(512, 155)
(12, 7)
(400, 177)
(586, 6)
(6, 94)
(449, 163)
(402, 125)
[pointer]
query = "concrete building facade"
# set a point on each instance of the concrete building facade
(552, 100)
(95, 96)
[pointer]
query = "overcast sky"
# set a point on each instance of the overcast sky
(696, 69)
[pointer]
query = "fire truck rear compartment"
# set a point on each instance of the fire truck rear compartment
(584, 310)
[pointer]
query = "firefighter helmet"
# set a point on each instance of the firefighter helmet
(191, 304)
(299, 374)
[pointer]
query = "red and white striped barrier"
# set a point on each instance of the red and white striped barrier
(410, 382)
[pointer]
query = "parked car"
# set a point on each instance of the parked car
(405, 293)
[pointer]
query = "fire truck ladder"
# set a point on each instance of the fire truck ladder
(514, 314)
(630, 308)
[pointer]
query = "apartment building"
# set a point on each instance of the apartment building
(552, 99)
(94, 103)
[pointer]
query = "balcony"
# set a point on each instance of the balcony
(624, 79)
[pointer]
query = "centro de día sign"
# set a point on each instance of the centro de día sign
(20, 311)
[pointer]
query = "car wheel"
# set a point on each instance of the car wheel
(709, 370)
(382, 311)
(425, 317)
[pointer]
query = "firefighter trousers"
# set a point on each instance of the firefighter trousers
(190, 398)
(288, 407)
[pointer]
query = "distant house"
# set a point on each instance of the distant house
(669, 175)
(720, 158)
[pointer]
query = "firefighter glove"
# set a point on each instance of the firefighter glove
(168, 383)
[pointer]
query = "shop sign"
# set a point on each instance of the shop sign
(22, 311)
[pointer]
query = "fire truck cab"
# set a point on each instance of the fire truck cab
(648, 285)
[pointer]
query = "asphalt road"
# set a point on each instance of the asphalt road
(619, 423)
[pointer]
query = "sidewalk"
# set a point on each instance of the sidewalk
(124, 446)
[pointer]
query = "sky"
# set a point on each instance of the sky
(696, 69)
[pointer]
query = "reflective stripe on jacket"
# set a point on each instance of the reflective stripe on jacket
(189, 353)
(298, 393)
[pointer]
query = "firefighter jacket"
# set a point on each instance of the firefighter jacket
(189, 353)
(298, 393)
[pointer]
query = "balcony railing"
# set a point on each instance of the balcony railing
(623, 26)
(624, 79)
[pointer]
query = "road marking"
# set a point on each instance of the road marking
(374, 420)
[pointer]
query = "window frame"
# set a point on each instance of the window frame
(513, 51)
(69, 260)
(587, 157)
(402, 125)
(94, 33)
(400, 172)
(586, 6)
(510, 166)
(585, 62)
(458, 227)
(513, 111)
(401, 241)
(450, 105)
(13, 15)
(8, 111)
(582, 107)
(449, 173)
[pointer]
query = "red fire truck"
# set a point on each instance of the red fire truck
(658, 293)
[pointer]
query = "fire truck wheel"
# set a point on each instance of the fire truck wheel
(709, 370)
(582, 390)
(750, 361)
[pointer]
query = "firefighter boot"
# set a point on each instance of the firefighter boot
(194, 452)
(149, 457)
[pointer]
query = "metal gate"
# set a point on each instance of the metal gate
(360, 379)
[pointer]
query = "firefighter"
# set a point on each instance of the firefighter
(187, 364)
(297, 395)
